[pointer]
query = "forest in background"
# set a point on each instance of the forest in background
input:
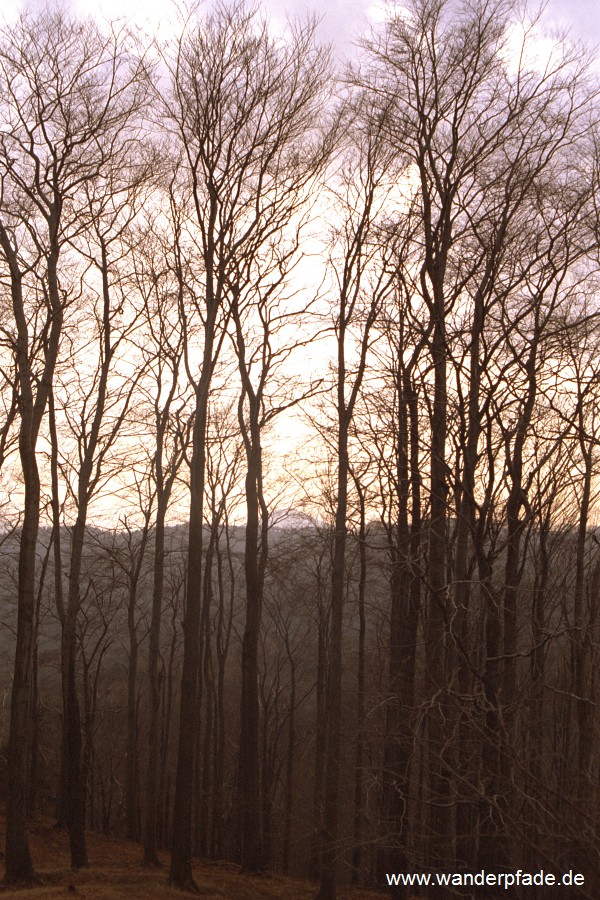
(299, 443)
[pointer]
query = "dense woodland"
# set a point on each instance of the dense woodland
(299, 443)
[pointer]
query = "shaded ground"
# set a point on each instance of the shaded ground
(115, 872)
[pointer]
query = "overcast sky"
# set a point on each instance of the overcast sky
(342, 20)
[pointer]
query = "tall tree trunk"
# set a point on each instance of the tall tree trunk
(537, 676)
(35, 704)
(255, 556)
(75, 790)
(289, 767)
(150, 857)
(359, 799)
(88, 477)
(19, 867)
(222, 638)
(62, 802)
(320, 723)
(584, 709)
(202, 781)
(582, 654)
(404, 544)
(164, 782)
(131, 774)
(180, 873)
(440, 850)
(460, 650)
(329, 849)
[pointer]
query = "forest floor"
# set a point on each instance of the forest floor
(115, 871)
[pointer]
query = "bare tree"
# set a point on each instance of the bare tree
(94, 639)
(479, 148)
(241, 105)
(224, 455)
(160, 278)
(101, 413)
(67, 91)
(362, 262)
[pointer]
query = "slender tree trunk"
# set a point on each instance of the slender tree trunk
(151, 811)
(460, 650)
(537, 675)
(164, 804)
(254, 563)
(488, 848)
(583, 657)
(268, 740)
(581, 670)
(320, 726)
(329, 848)
(440, 850)
(180, 874)
(62, 802)
(88, 741)
(71, 714)
(19, 867)
(90, 706)
(222, 637)
(35, 705)
(404, 612)
(87, 481)
(202, 781)
(204, 818)
(289, 768)
(131, 775)
(359, 812)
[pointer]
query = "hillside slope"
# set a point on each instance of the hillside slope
(116, 872)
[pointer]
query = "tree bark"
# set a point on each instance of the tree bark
(19, 867)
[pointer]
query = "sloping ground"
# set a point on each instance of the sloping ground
(116, 872)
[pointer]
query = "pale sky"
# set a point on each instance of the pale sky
(341, 20)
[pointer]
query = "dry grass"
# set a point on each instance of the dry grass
(116, 872)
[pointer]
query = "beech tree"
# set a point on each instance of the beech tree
(242, 106)
(362, 260)
(262, 318)
(224, 457)
(479, 148)
(160, 278)
(67, 92)
(97, 407)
